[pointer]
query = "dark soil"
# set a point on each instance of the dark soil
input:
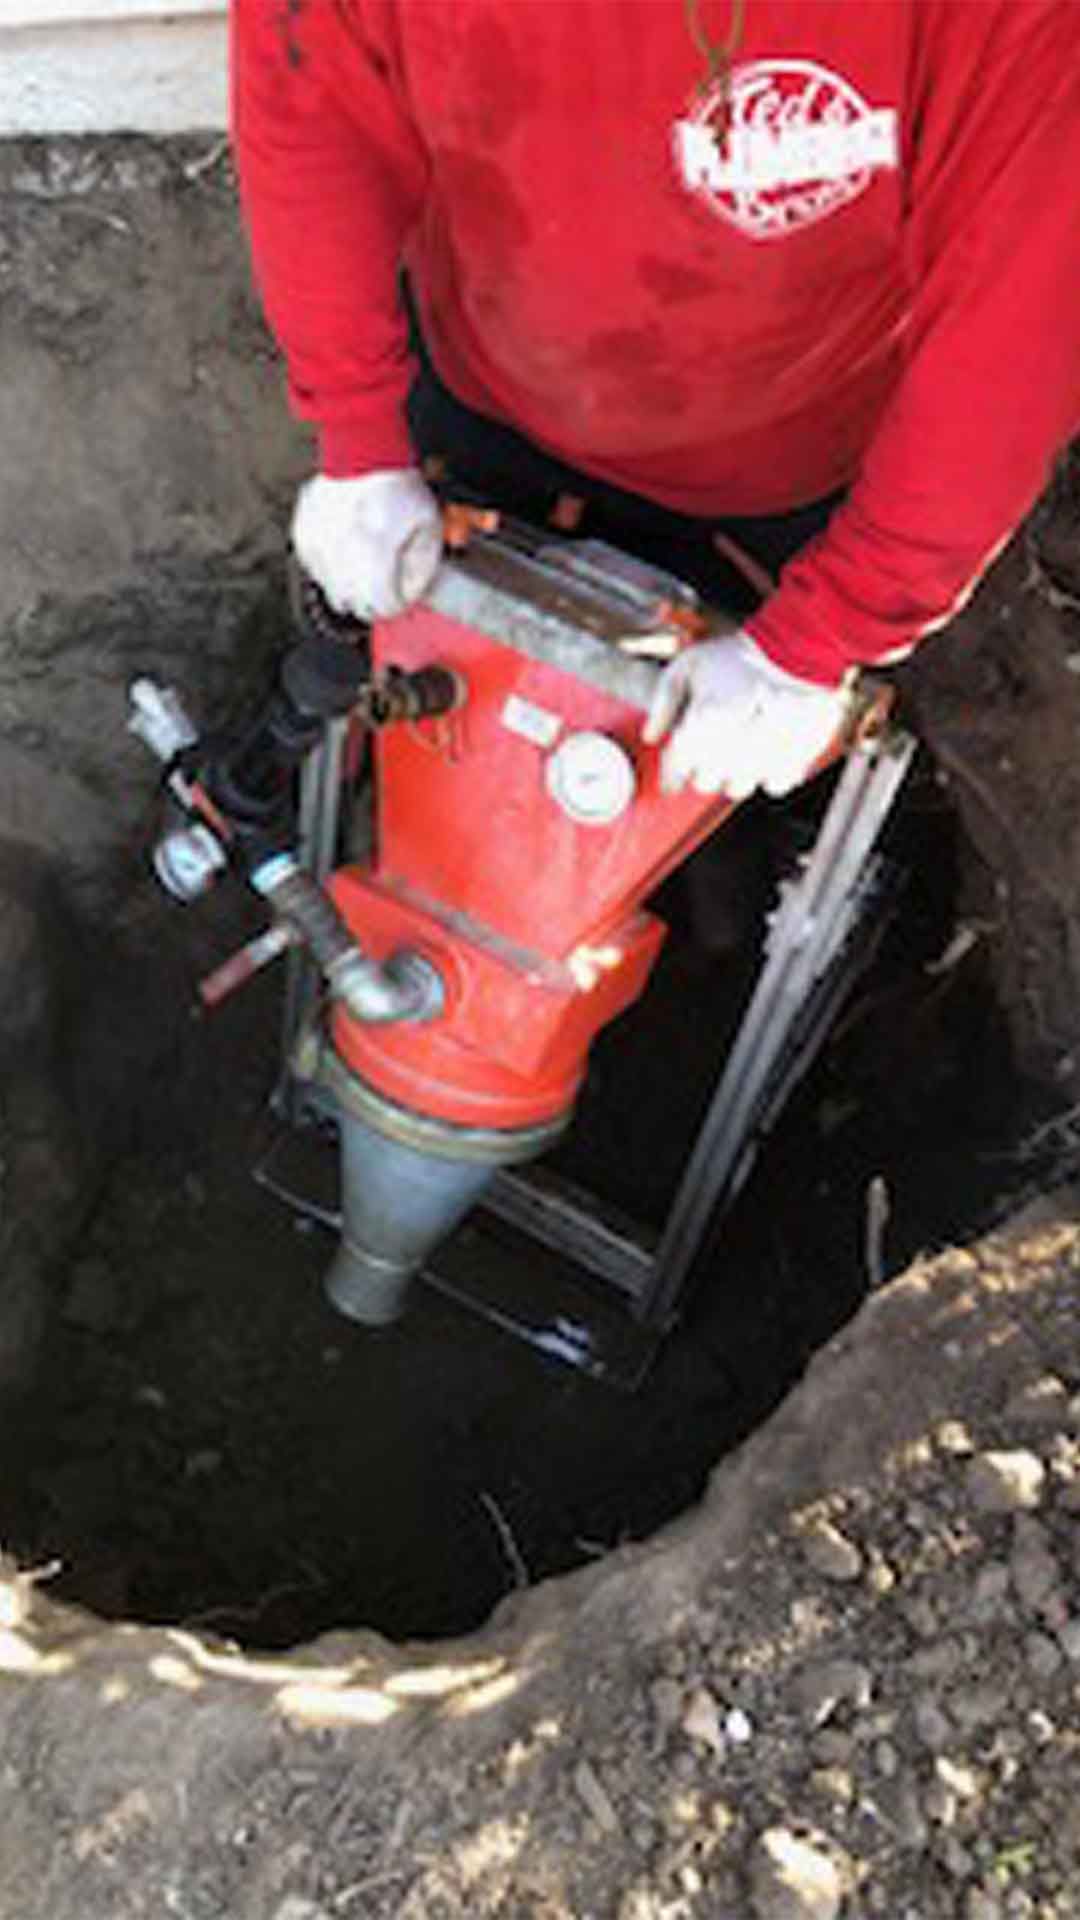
(209, 1442)
(206, 1440)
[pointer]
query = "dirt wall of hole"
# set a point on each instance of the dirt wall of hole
(149, 1772)
(148, 465)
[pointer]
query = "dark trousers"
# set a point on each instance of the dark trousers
(494, 461)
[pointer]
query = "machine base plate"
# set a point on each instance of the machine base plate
(491, 1266)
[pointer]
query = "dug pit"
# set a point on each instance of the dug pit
(191, 1436)
(206, 1442)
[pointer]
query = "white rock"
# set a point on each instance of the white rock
(1006, 1482)
(739, 1727)
(957, 1777)
(701, 1721)
(791, 1878)
(830, 1552)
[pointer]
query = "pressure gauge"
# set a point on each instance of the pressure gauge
(591, 777)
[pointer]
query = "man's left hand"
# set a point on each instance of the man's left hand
(738, 721)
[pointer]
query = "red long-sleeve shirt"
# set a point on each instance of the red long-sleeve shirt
(871, 279)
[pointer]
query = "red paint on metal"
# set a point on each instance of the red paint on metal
(534, 919)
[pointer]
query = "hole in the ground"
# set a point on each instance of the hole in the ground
(209, 1443)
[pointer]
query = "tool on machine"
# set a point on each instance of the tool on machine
(444, 988)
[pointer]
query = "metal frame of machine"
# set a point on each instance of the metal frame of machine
(538, 1257)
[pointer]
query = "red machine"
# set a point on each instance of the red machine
(497, 923)
(516, 839)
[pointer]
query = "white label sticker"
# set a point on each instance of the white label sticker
(532, 723)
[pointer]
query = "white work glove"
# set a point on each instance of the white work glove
(372, 544)
(738, 721)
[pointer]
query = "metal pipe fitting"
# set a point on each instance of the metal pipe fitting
(408, 1179)
(408, 987)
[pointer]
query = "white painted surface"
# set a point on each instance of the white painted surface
(109, 66)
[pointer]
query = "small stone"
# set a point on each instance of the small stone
(990, 1592)
(821, 1689)
(931, 1725)
(296, 1907)
(666, 1699)
(954, 1437)
(981, 1905)
(937, 1662)
(1029, 1534)
(834, 1784)
(701, 1720)
(738, 1727)
(595, 1797)
(1041, 1727)
(880, 1574)
(921, 1616)
(956, 1859)
(886, 1759)
(832, 1748)
(1042, 1655)
(202, 1464)
(791, 1878)
(1041, 1403)
(896, 1803)
(1034, 1572)
(957, 1777)
(830, 1552)
(1006, 1482)
(1069, 1640)
(642, 1836)
(939, 1803)
(152, 1397)
(1008, 1749)
(720, 1818)
(979, 1706)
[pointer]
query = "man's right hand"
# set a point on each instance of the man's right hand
(372, 544)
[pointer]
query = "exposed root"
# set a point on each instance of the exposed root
(505, 1536)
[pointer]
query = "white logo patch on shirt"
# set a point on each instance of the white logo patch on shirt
(801, 144)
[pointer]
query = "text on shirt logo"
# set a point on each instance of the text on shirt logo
(801, 143)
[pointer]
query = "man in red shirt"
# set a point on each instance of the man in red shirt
(788, 268)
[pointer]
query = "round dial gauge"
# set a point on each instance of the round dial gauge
(591, 777)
